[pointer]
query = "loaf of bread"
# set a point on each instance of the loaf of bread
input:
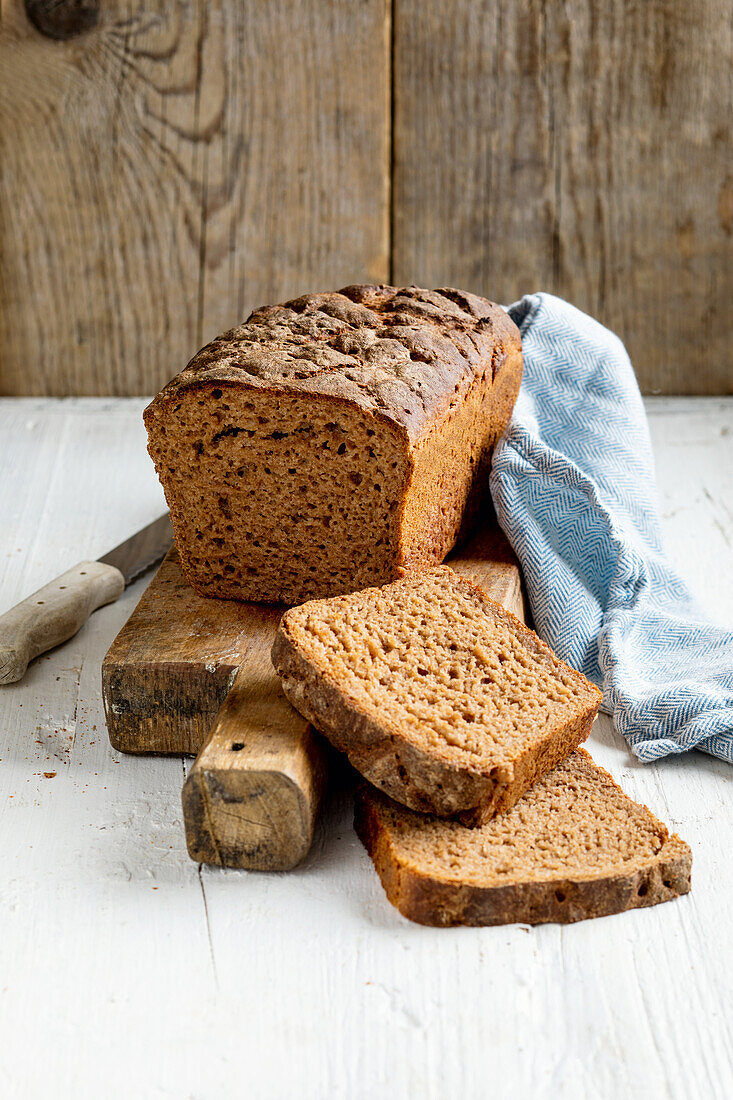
(573, 847)
(437, 694)
(334, 442)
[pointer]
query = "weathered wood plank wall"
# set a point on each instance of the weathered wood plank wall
(175, 166)
(164, 168)
(580, 147)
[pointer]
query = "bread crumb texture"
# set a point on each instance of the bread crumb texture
(442, 665)
(331, 441)
(575, 822)
(573, 847)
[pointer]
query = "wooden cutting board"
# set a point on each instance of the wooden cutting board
(188, 674)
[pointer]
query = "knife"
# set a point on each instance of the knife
(57, 611)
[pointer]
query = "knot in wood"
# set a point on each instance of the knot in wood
(63, 19)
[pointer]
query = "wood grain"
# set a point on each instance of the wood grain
(252, 797)
(170, 668)
(580, 148)
(488, 560)
(168, 167)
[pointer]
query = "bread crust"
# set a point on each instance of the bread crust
(407, 773)
(404, 353)
(430, 900)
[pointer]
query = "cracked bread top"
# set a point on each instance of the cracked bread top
(406, 353)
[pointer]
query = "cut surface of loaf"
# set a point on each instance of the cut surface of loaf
(330, 442)
(437, 694)
(573, 847)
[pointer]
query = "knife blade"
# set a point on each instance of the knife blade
(57, 611)
(136, 554)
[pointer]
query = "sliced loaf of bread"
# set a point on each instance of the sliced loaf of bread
(573, 847)
(330, 442)
(437, 694)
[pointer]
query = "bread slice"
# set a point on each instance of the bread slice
(329, 442)
(573, 847)
(437, 694)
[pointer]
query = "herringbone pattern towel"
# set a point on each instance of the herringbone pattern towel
(573, 485)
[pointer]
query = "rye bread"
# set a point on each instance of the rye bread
(328, 443)
(575, 846)
(437, 694)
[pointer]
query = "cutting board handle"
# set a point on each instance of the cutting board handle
(252, 797)
(54, 614)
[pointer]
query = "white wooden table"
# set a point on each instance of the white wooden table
(127, 971)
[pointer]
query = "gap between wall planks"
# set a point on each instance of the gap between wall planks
(165, 168)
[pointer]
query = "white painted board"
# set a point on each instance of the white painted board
(127, 971)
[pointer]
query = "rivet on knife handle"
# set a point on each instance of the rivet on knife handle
(54, 614)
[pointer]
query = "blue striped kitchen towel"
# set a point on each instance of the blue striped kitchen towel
(574, 489)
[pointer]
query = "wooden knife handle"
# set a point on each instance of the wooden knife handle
(54, 614)
(252, 797)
